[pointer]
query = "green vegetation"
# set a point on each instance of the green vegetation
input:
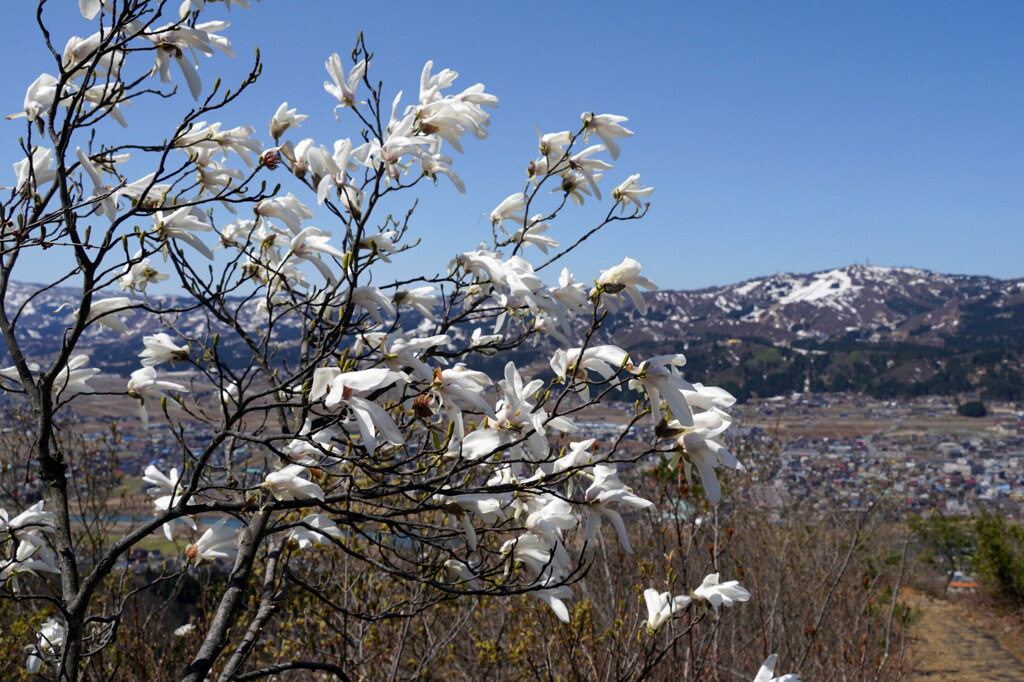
(755, 367)
(999, 558)
(947, 542)
(989, 546)
(972, 408)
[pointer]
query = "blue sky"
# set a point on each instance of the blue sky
(782, 136)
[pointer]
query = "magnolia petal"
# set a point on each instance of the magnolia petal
(482, 443)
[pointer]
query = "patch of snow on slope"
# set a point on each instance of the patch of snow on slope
(754, 315)
(722, 304)
(745, 289)
(824, 285)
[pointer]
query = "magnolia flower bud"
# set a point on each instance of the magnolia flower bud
(421, 406)
(271, 159)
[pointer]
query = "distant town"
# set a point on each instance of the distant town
(845, 451)
(833, 451)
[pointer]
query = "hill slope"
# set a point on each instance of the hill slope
(886, 330)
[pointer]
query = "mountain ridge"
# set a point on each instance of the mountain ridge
(828, 304)
(863, 327)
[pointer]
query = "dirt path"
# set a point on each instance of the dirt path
(954, 644)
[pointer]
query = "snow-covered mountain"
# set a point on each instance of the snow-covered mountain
(44, 314)
(865, 301)
(906, 321)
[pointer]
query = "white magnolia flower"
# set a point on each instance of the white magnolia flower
(314, 530)
(399, 150)
(420, 299)
(33, 555)
(214, 177)
(511, 208)
(217, 542)
(180, 43)
(696, 447)
(767, 672)
(525, 287)
(283, 119)
(433, 165)
(11, 373)
(548, 562)
(145, 193)
(166, 488)
(186, 629)
(80, 56)
(606, 489)
(35, 171)
(166, 492)
(49, 642)
(516, 415)
(33, 517)
(553, 596)
(463, 572)
(487, 507)
(542, 557)
(331, 168)
(717, 594)
(108, 96)
(661, 606)
(32, 545)
(381, 245)
(104, 197)
(182, 224)
(570, 293)
(551, 516)
(72, 377)
(38, 98)
(660, 379)
(344, 89)
(552, 147)
(455, 387)
(449, 117)
(478, 339)
(290, 483)
(338, 392)
(160, 348)
(143, 384)
(237, 234)
(400, 353)
(230, 394)
(139, 275)
(573, 364)
(289, 210)
(709, 397)
(109, 311)
(587, 167)
(623, 278)
(534, 234)
(312, 447)
(374, 302)
(352, 199)
(483, 265)
(578, 186)
(90, 8)
(606, 127)
(297, 155)
(578, 455)
(630, 191)
(311, 242)
(198, 5)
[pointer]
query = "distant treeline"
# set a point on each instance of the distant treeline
(754, 367)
